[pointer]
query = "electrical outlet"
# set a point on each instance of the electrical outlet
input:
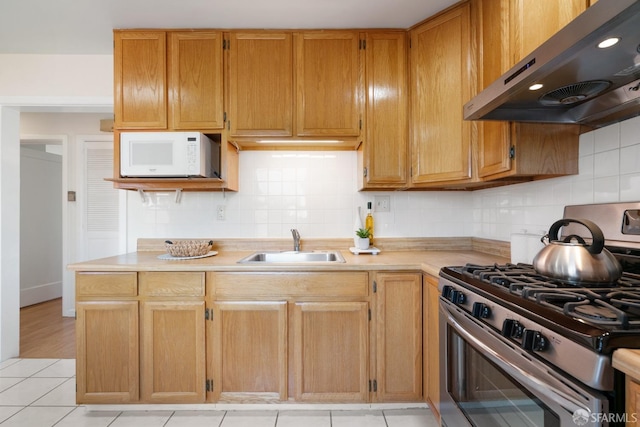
(221, 211)
(382, 203)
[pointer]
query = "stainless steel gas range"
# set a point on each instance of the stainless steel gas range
(522, 349)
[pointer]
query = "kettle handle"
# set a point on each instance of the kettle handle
(596, 245)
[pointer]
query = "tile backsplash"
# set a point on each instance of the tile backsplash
(316, 192)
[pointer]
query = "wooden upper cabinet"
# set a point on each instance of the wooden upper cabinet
(195, 80)
(140, 95)
(440, 85)
(328, 88)
(509, 30)
(168, 80)
(383, 156)
(533, 22)
(260, 82)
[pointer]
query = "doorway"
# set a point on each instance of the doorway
(93, 214)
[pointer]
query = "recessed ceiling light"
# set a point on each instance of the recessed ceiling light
(535, 86)
(608, 42)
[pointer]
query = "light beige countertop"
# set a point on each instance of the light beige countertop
(628, 362)
(427, 261)
(427, 255)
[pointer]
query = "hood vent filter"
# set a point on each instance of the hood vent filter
(574, 93)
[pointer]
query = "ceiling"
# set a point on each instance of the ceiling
(85, 26)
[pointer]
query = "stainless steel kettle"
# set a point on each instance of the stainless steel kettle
(572, 260)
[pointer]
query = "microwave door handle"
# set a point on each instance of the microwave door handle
(540, 385)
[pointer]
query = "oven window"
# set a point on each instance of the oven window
(488, 396)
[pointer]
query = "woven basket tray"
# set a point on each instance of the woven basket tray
(187, 248)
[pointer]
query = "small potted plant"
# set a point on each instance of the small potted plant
(362, 242)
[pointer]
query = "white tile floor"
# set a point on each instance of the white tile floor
(41, 393)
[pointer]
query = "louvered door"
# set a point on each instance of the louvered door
(100, 203)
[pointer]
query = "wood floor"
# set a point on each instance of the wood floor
(44, 333)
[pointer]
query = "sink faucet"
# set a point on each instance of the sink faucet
(296, 240)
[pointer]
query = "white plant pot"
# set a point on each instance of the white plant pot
(362, 242)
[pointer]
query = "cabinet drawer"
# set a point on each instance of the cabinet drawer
(252, 285)
(160, 284)
(106, 284)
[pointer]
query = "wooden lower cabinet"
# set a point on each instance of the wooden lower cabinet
(140, 337)
(343, 337)
(249, 351)
(281, 336)
(107, 367)
(173, 352)
(632, 403)
(431, 344)
(398, 352)
(331, 351)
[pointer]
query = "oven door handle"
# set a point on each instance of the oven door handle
(541, 386)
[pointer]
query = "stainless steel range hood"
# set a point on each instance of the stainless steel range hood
(581, 83)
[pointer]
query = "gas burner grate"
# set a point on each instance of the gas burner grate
(612, 305)
(630, 280)
(600, 312)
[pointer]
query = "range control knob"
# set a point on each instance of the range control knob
(446, 291)
(481, 310)
(457, 297)
(511, 328)
(534, 340)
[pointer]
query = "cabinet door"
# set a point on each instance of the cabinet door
(432, 343)
(249, 351)
(399, 337)
(508, 30)
(330, 351)
(533, 22)
(440, 79)
(328, 83)
(107, 357)
(173, 352)
(195, 80)
(260, 84)
(632, 399)
(140, 68)
(385, 148)
(494, 142)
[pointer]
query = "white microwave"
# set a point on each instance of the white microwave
(169, 154)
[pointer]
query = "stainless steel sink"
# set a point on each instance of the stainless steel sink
(292, 257)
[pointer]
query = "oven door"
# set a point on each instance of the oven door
(488, 381)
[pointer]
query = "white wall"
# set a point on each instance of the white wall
(61, 81)
(609, 172)
(40, 226)
(9, 232)
(316, 193)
